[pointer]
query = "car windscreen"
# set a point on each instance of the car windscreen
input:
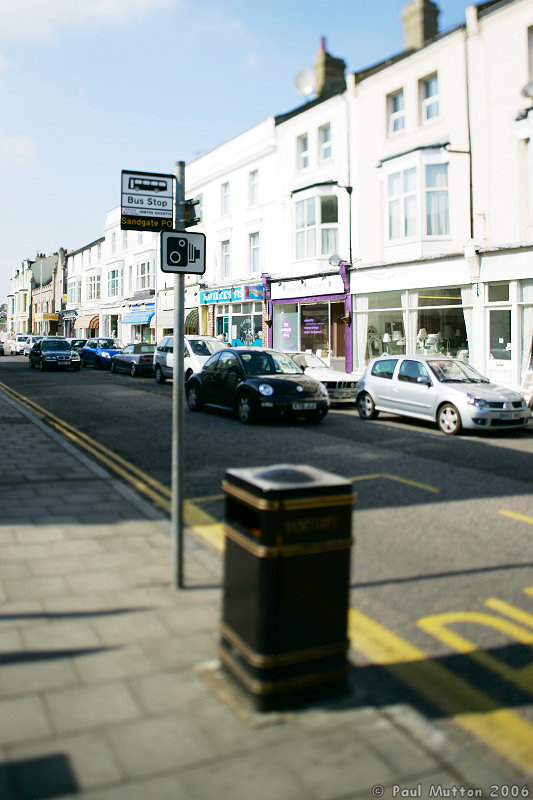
(205, 347)
(144, 348)
(269, 364)
(309, 360)
(450, 371)
(52, 346)
(110, 344)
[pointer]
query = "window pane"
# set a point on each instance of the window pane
(300, 214)
(310, 208)
(438, 222)
(311, 243)
(410, 215)
(409, 180)
(329, 241)
(436, 175)
(328, 209)
(395, 183)
(394, 219)
(300, 244)
(498, 292)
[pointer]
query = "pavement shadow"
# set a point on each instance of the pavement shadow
(38, 778)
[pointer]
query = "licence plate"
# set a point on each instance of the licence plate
(510, 415)
(303, 406)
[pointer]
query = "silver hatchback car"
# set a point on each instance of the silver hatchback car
(444, 390)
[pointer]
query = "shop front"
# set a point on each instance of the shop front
(483, 316)
(236, 313)
(136, 323)
(311, 314)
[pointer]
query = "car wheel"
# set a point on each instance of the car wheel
(366, 407)
(133, 370)
(112, 367)
(97, 363)
(194, 400)
(245, 411)
(448, 419)
(188, 375)
(159, 377)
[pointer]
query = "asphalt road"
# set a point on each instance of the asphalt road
(443, 525)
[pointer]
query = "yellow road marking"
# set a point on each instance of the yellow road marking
(396, 478)
(514, 515)
(500, 729)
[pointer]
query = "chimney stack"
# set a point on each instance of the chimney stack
(329, 71)
(420, 23)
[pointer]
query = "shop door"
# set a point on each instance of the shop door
(501, 358)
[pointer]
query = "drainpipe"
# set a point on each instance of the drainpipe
(348, 337)
(265, 280)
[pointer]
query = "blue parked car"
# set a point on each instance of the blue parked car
(98, 352)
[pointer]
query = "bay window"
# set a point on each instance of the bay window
(316, 220)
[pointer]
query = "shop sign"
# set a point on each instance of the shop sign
(236, 294)
(143, 307)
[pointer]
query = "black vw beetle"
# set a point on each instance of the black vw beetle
(255, 382)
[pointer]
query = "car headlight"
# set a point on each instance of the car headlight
(106, 355)
(266, 389)
(74, 356)
(478, 402)
(323, 389)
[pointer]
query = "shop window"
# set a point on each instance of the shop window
(314, 326)
(286, 327)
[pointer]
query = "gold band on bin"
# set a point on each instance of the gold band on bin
(265, 688)
(288, 504)
(261, 661)
(262, 551)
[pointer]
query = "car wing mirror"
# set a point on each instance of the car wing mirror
(424, 380)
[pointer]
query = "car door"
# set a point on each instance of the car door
(122, 359)
(89, 351)
(228, 375)
(210, 378)
(413, 389)
(381, 384)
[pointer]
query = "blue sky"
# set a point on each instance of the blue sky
(91, 87)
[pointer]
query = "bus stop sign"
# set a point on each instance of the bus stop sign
(147, 201)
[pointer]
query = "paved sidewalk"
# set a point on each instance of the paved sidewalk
(109, 685)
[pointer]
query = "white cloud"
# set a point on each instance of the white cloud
(30, 19)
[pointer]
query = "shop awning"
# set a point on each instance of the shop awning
(83, 322)
(138, 317)
(95, 322)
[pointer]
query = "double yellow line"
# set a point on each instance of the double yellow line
(500, 729)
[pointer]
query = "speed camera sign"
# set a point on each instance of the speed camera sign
(183, 252)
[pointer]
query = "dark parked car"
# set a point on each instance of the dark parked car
(76, 344)
(255, 382)
(99, 351)
(53, 352)
(135, 359)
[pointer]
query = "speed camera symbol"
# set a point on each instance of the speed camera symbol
(177, 251)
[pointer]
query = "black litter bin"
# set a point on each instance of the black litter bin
(286, 582)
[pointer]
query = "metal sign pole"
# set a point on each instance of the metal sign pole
(178, 394)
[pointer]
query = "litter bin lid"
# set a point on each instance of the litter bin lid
(288, 480)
